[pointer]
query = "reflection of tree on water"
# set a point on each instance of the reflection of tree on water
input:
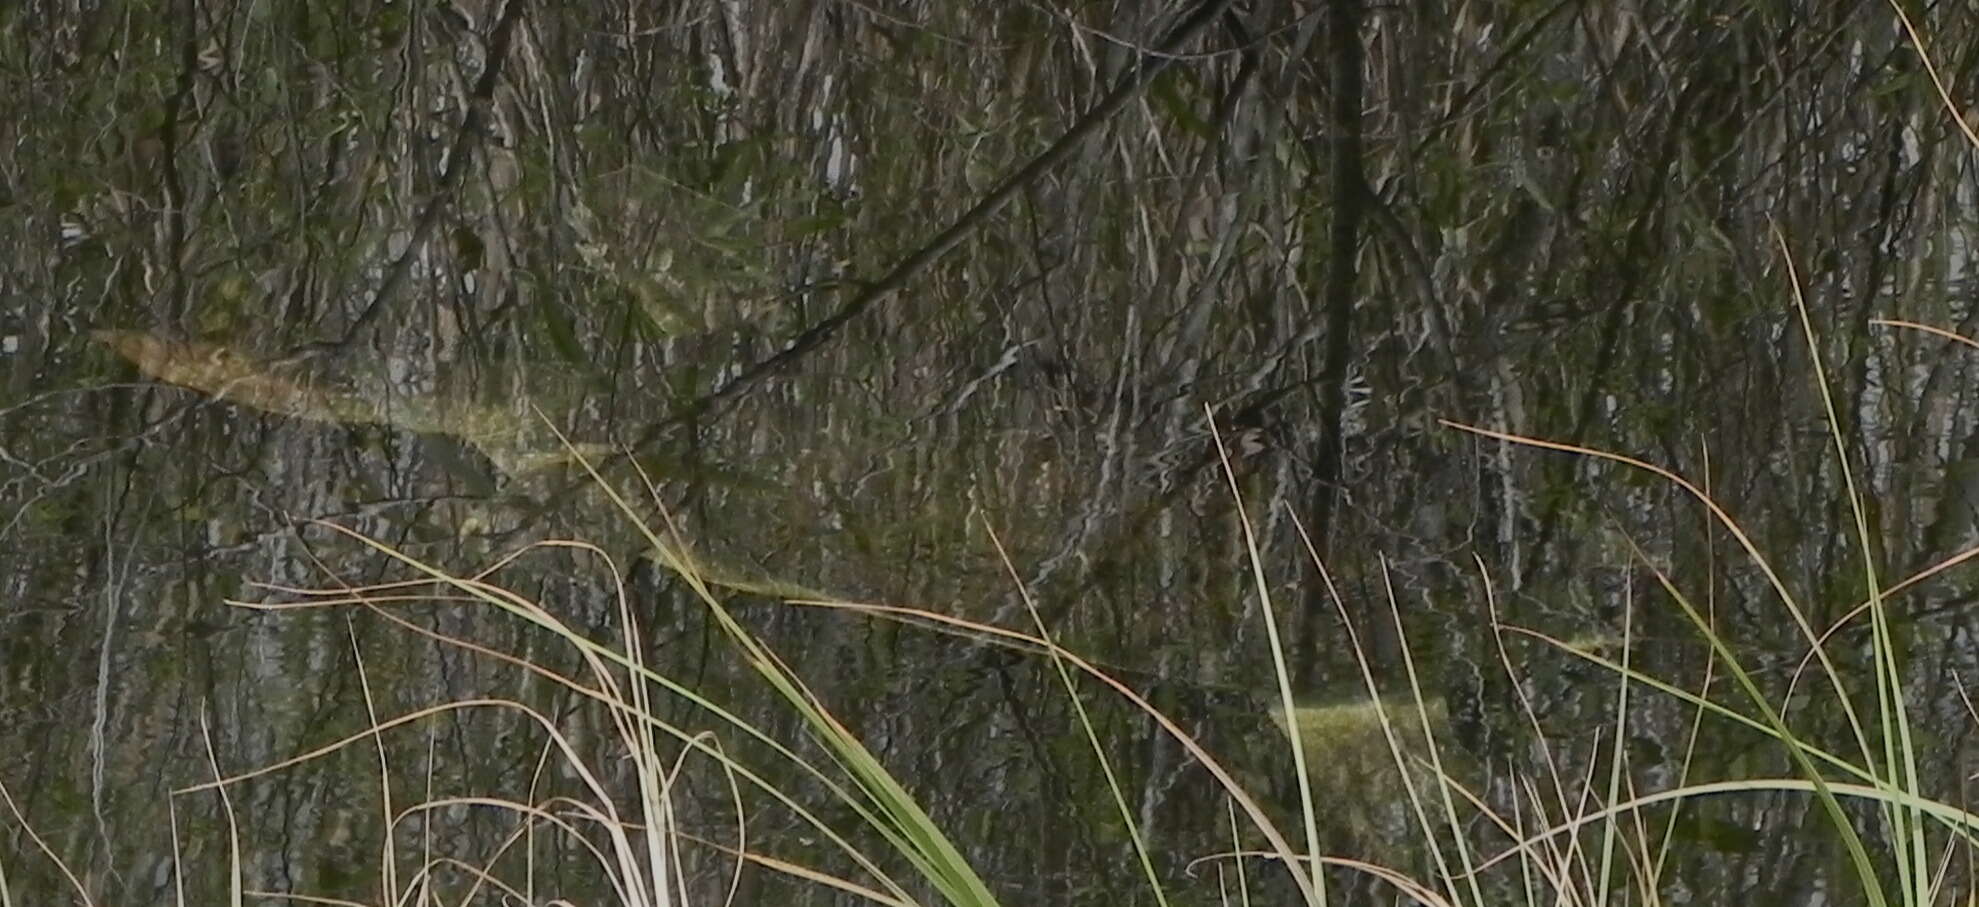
(512, 438)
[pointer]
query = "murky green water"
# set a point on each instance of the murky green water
(258, 283)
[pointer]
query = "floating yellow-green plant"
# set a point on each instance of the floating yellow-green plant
(1355, 724)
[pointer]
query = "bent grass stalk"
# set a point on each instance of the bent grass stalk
(477, 589)
(1892, 781)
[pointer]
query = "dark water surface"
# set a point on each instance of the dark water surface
(272, 270)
